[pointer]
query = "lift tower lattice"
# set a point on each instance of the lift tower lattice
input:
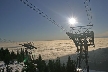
(82, 37)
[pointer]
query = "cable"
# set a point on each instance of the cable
(88, 11)
(40, 12)
(6, 41)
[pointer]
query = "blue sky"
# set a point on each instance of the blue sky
(20, 23)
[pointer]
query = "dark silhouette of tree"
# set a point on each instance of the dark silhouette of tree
(51, 66)
(13, 55)
(63, 69)
(2, 54)
(41, 64)
(22, 54)
(70, 65)
(18, 56)
(58, 65)
(6, 56)
(46, 69)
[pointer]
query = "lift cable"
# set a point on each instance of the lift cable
(88, 11)
(40, 12)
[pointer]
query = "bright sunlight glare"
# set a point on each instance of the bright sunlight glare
(72, 21)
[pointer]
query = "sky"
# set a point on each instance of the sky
(20, 23)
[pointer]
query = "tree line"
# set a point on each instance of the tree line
(7, 56)
(51, 66)
(36, 65)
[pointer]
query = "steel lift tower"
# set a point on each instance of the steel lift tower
(83, 38)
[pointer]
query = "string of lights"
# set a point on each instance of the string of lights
(6, 41)
(88, 11)
(40, 12)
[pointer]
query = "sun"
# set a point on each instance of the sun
(72, 21)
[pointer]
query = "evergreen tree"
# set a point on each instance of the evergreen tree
(58, 65)
(6, 56)
(13, 55)
(63, 69)
(51, 66)
(2, 54)
(18, 58)
(22, 54)
(46, 69)
(70, 65)
(41, 64)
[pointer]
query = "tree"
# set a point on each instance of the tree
(63, 69)
(71, 65)
(6, 56)
(58, 65)
(51, 66)
(2, 54)
(13, 55)
(41, 64)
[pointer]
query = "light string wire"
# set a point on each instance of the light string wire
(5, 40)
(40, 12)
(88, 11)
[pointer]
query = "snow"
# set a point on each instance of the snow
(13, 66)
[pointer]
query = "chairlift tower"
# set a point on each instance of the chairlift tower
(83, 38)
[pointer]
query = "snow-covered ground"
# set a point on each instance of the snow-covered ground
(13, 67)
(98, 56)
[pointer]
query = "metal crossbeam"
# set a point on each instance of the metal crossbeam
(82, 40)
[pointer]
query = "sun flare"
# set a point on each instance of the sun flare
(72, 21)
